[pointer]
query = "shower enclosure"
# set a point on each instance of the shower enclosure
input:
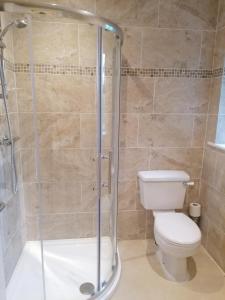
(59, 127)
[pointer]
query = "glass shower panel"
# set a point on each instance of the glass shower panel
(17, 219)
(66, 244)
(66, 129)
(109, 136)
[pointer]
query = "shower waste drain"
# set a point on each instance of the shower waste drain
(87, 288)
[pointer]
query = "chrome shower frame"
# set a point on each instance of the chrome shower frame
(102, 24)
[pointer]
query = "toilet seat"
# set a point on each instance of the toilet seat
(176, 229)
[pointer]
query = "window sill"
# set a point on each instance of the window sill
(220, 147)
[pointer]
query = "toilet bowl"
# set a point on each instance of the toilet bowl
(178, 238)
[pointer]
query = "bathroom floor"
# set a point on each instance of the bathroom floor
(142, 278)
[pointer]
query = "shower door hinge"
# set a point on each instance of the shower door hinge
(5, 141)
(2, 206)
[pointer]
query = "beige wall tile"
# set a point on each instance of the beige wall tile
(59, 130)
(67, 226)
(188, 14)
(144, 12)
(189, 160)
(216, 243)
(181, 95)
(88, 130)
(10, 78)
(213, 205)
(31, 199)
(106, 221)
(24, 92)
(65, 93)
(137, 95)
(12, 101)
(132, 160)
(87, 44)
(16, 133)
(27, 128)
(211, 128)
(55, 130)
(216, 94)
(28, 165)
(219, 52)
(204, 229)
(207, 49)
(60, 197)
(149, 225)
(53, 227)
(128, 130)
(131, 225)
(72, 165)
(32, 228)
(199, 130)
(131, 50)
(62, 93)
(165, 130)
(107, 95)
(89, 196)
(221, 14)
(48, 48)
(167, 48)
(209, 164)
(127, 195)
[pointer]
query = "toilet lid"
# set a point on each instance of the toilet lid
(177, 228)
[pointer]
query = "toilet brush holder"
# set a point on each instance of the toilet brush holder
(195, 219)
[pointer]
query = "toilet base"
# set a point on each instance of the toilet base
(175, 268)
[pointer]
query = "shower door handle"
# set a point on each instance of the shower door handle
(109, 184)
(110, 173)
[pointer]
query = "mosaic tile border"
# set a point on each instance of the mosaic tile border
(125, 71)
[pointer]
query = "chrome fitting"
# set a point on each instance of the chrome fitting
(188, 183)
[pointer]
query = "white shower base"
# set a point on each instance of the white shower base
(68, 264)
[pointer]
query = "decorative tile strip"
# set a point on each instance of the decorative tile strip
(142, 72)
(218, 72)
(56, 69)
(125, 71)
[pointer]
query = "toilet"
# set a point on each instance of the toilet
(177, 236)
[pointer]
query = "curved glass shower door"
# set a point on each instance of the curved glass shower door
(67, 74)
(108, 128)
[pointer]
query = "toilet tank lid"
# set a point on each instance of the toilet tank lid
(163, 175)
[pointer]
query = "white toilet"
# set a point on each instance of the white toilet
(177, 236)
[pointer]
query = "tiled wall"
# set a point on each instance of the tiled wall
(163, 108)
(163, 119)
(11, 218)
(213, 175)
